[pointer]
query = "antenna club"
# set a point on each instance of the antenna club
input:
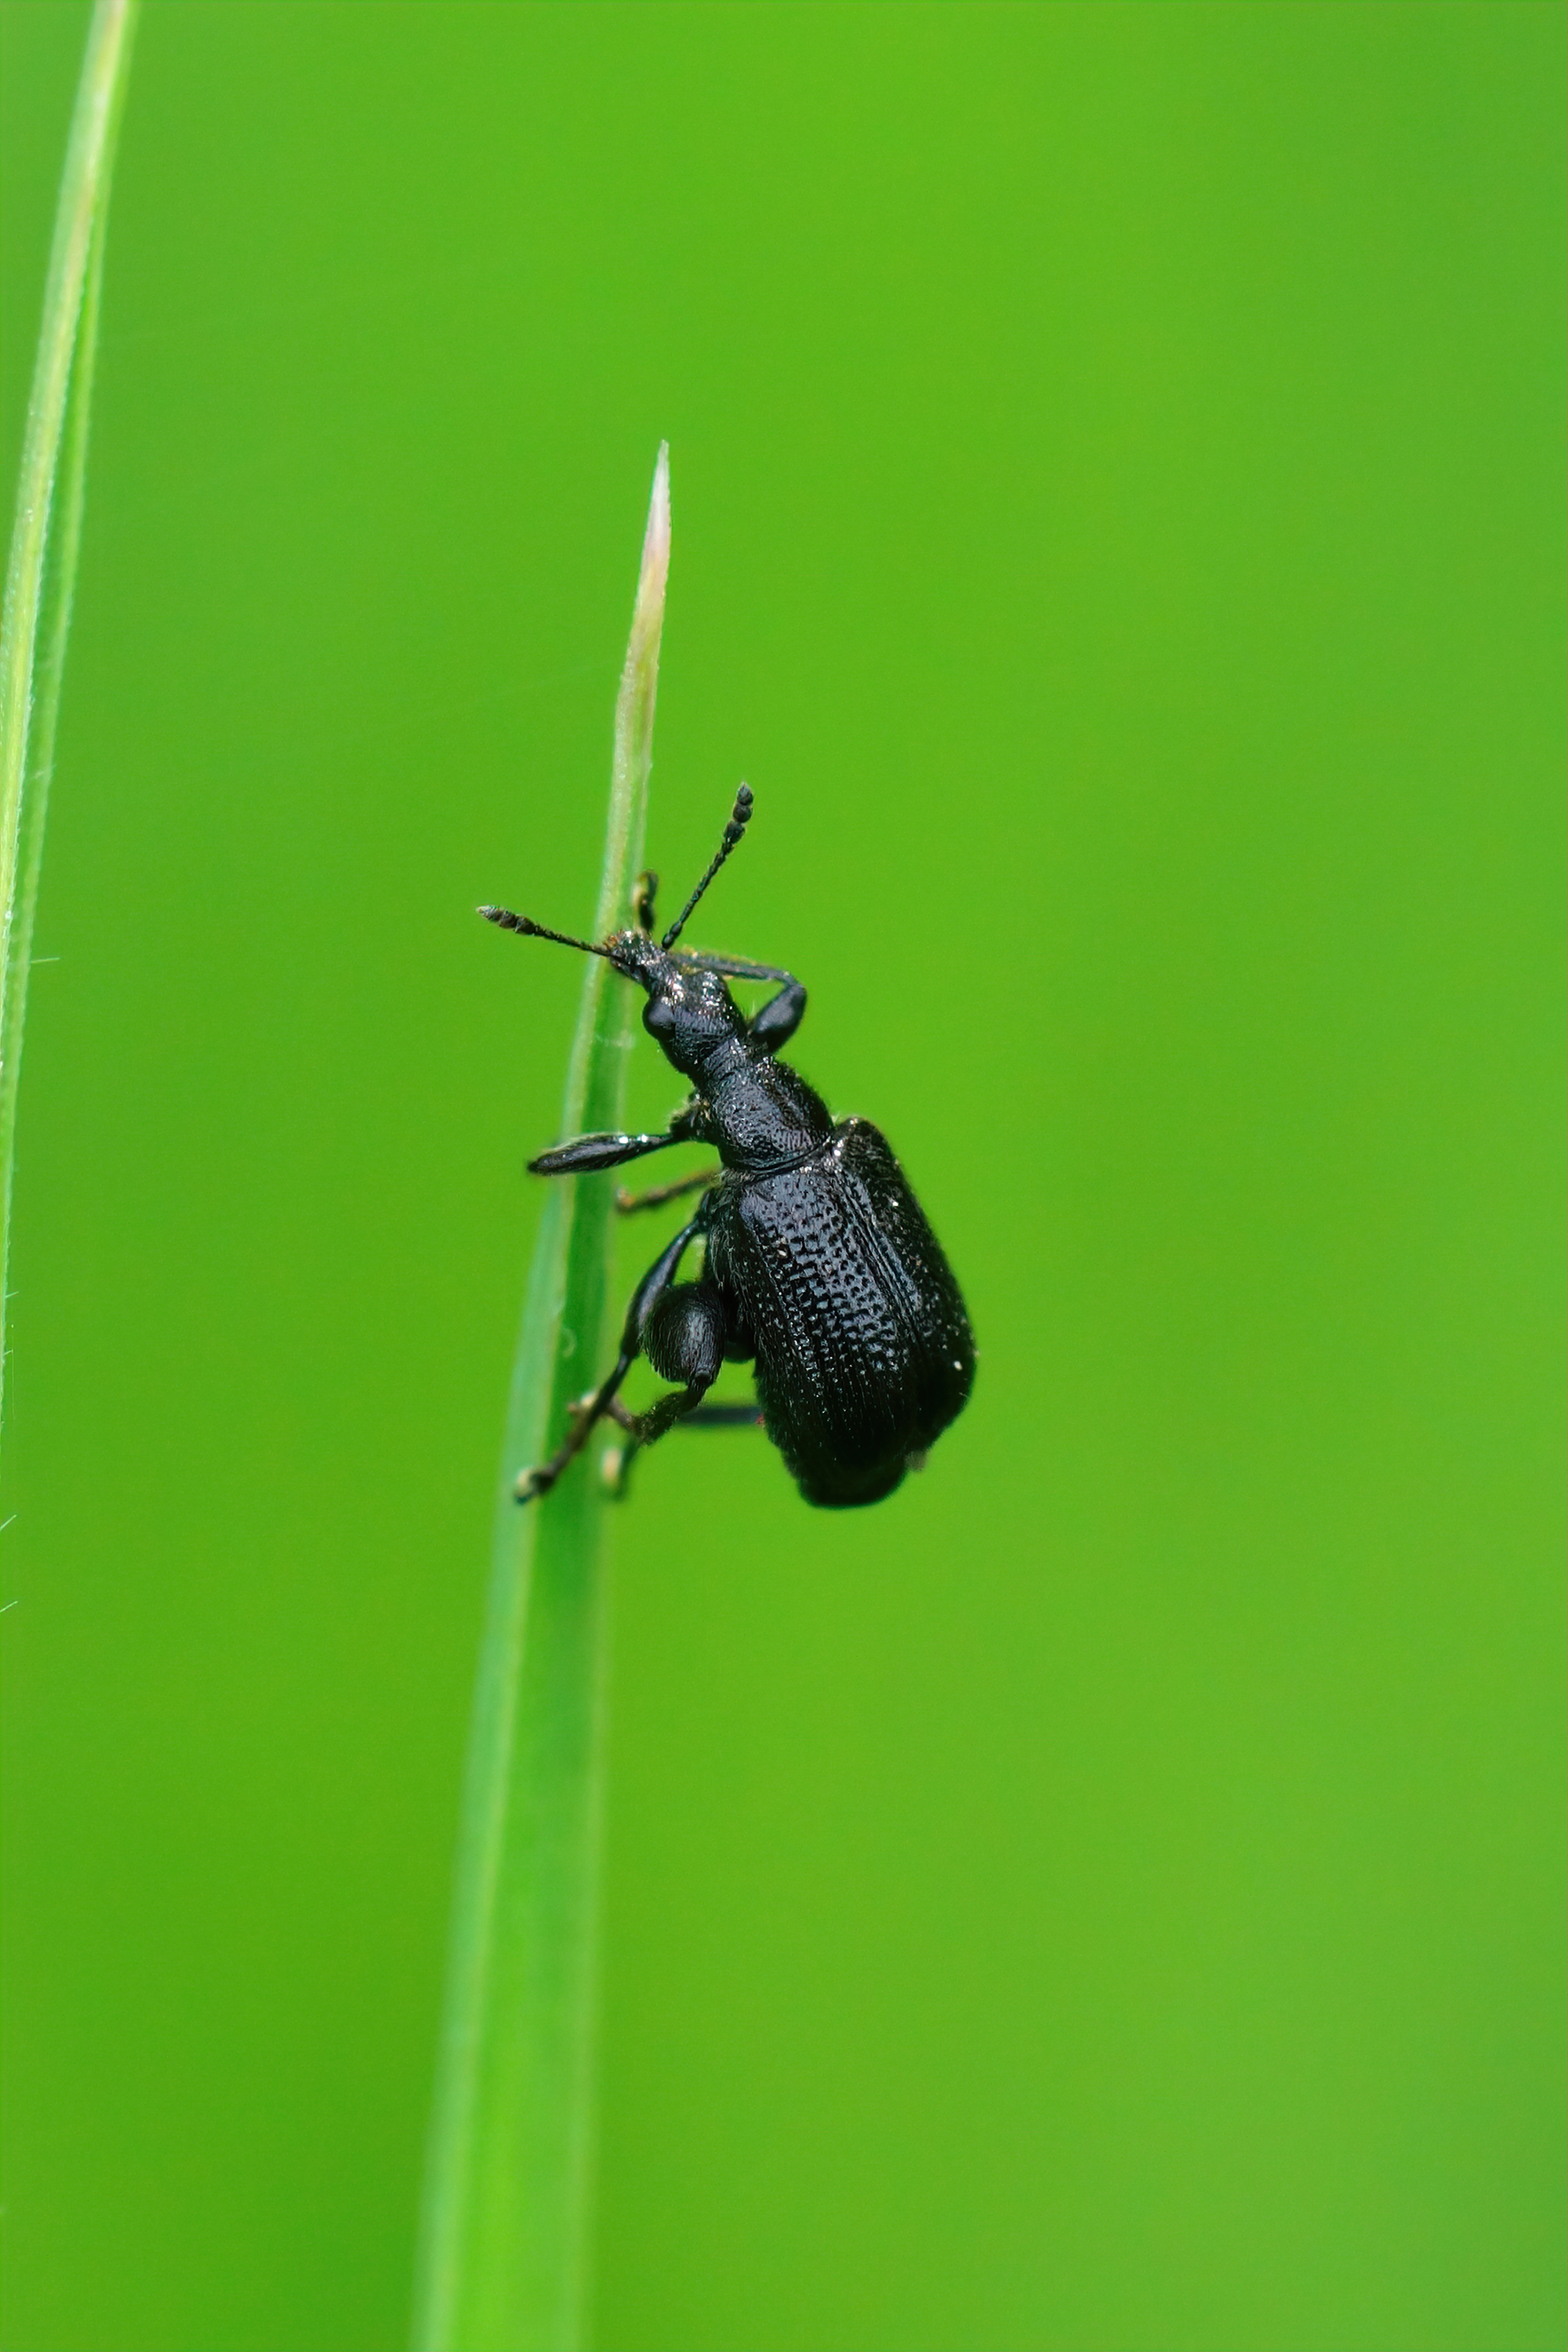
(733, 831)
(505, 920)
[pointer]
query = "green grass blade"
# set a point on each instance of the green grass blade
(40, 575)
(503, 2238)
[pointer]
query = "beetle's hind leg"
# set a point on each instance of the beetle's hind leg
(681, 1407)
(684, 1332)
(582, 1415)
(649, 1294)
(643, 1430)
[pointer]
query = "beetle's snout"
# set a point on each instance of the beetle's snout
(636, 956)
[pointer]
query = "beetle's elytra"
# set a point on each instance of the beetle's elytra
(818, 1264)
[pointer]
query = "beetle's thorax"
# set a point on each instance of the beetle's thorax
(763, 1114)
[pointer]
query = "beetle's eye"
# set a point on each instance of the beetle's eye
(658, 1017)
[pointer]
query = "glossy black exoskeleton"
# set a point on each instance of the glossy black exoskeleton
(819, 1264)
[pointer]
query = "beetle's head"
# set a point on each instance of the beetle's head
(689, 1011)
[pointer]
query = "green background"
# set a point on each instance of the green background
(1108, 1896)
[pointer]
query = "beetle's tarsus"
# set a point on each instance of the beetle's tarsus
(613, 1463)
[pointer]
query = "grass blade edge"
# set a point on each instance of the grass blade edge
(504, 2225)
(40, 573)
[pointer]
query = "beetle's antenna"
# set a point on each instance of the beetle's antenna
(739, 816)
(503, 918)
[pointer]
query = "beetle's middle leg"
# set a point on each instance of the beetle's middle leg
(654, 1199)
(650, 1292)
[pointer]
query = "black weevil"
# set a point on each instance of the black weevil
(819, 1264)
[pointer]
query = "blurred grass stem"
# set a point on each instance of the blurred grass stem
(504, 2230)
(40, 574)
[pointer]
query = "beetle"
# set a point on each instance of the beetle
(818, 1264)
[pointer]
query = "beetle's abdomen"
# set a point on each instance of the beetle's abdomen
(864, 1350)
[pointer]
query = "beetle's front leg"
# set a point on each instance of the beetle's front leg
(655, 1284)
(774, 1023)
(587, 1152)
